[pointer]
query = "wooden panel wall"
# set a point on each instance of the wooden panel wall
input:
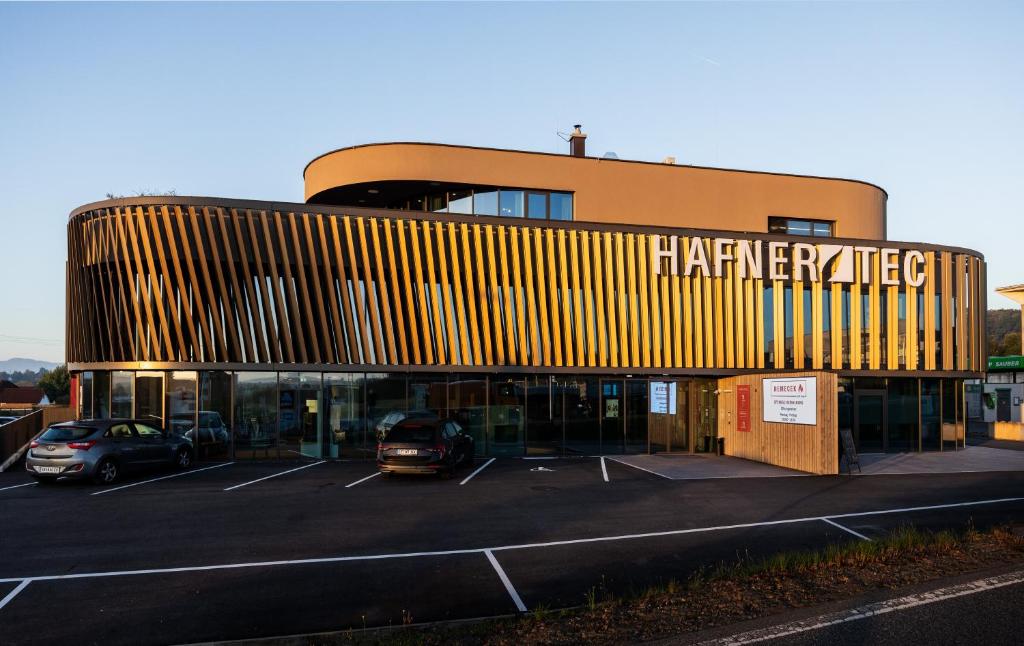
(190, 283)
(814, 449)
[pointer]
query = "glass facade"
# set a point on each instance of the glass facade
(506, 202)
(314, 415)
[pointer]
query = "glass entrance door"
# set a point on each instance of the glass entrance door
(506, 417)
(149, 397)
(705, 414)
(869, 420)
(636, 416)
(612, 419)
(679, 424)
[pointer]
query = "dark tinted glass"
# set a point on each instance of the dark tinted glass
(411, 432)
(67, 433)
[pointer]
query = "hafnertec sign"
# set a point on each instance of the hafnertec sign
(792, 400)
(780, 260)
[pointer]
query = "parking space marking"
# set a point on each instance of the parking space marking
(274, 475)
(372, 475)
(660, 475)
(13, 593)
(846, 529)
(479, 550)
(173, 475)
(870, 610)
(27, 484)
(479, 469)
(505, 580)
(604, 469)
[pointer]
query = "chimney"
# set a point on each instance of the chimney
(577, 142)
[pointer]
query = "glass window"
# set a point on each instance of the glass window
(101, 395)
(460, 202)
(298, 415)
(120, 431)
(122, 391)
(67, 433)
(438, 203)
(902, 428)
(346, 421)
(428, 395)
(506, 419)
(255, 418)
(580, 406)
(145, 430)
(181, 403)
(214, 416)
(149, 396)
(561, 206)
(85, 404)
(537, 206)
(416, 203)
(467, 403)
(821, 229)
(485, 202)
(798, 227)
(511, 204)
(385, 394)
(795, 227)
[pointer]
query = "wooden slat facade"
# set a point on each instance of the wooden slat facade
(181, 283)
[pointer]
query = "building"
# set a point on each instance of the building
(555, 304)
(15, 397)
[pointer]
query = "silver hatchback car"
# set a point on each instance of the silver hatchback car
(104, 449)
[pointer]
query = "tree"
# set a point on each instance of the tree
(1010, 345)
(56, 384)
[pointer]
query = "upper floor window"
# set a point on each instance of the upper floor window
(504, 202)
(796, 227)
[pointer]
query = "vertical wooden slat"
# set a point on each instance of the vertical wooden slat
(677, 321)
(911, 328)
(145, 284)
(242, 288)
(494, 299)
(779, 321)
(740, 330)
(929, 310)
(277, 349)
(817, 327)
(623, 321)
(577, 304)
(352, 332)
(565, 301)
(363, 333)
(653, 306)
(525, 342)
(316, 275)
(961, 324)
(410, 307)
(444, 285)
(599, 288)
(727, 303)
(798, 325)
(947, 312)
(856, 317)
(414, 241)
(610, 305)
(759, 321)
(836, 327)
(874, 298)
(332, 299)
(382, 348)
(544, 286)
(698, 314)
(482, 300)
(536, 352)
(471, 295)
(553, 291)
(507, 302)
(643, 277)
(586, 292)
(295, 315)
(465, 356)
(689, 304)
(279, 298)
(228, 304)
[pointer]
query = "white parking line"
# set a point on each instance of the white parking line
(173, 475)
(479, 469)
(274, 475)
(13, 593)
(478, 550)
(604, 469)
(504, 579)
(846, 529)
(27, 484)
(870, 610)
(660, 475)
(372, 475)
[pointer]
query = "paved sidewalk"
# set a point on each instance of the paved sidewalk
(701, 467)
(972, 459)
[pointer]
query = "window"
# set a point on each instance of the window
(561, 206)
(460, 202)
(485, 202)
(794, 227)
(145, 431)
(537, 206)
(120, 431)
(510, 204)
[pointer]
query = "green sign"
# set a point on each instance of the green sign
(1005, 363)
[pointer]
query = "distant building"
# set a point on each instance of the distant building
(15, 396)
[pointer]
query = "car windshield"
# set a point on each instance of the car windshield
(411, 433)
(67, 433)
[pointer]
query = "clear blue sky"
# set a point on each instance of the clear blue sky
(924, 99)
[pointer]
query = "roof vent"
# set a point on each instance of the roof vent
(609, 155)
(577, 142)
(669, 160)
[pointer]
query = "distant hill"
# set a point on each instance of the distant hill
(1003, 332)
(19, 364)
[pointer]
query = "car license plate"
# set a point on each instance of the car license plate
(48, 469)
(406, 451)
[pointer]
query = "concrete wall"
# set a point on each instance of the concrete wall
(814, 449)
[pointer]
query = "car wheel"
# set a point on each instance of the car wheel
(184, 459)
(107, 472)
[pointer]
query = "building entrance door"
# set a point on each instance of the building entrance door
(612, 416)
(1003, 405)
(704, 414)
(869, 420)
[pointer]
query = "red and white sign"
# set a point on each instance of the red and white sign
(743, 409)
(791, 401)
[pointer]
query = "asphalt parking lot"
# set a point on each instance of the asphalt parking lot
(239, 550)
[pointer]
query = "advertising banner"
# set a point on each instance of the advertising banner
(792, 400)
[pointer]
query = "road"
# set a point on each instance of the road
(261, 549)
